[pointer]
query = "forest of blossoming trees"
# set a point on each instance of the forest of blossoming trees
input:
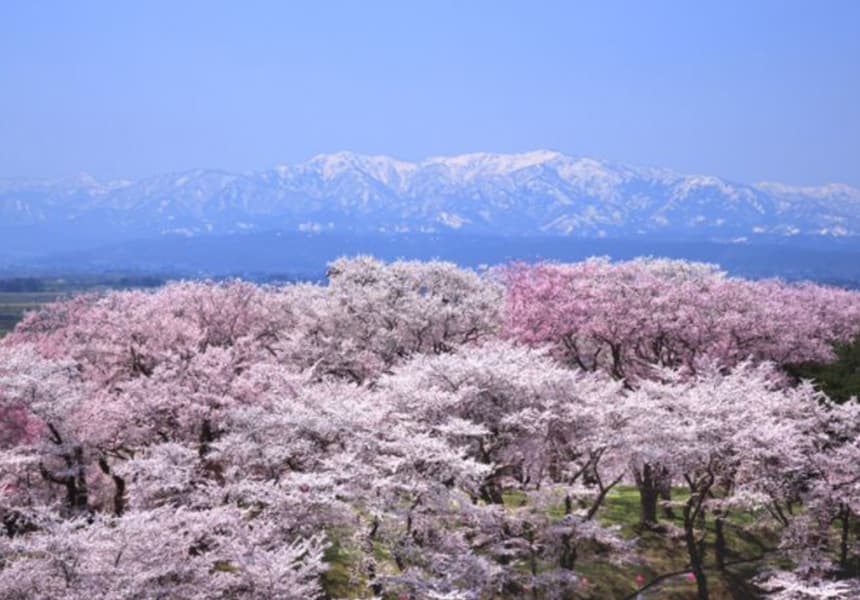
(231, 440)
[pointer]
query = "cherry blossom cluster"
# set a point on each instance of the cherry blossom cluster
(628, 317)
(429, 431)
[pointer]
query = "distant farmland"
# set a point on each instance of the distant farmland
(13, 305)
(19, 295)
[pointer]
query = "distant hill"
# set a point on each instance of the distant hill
(537, 203)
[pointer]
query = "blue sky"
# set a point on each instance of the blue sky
(749, 90)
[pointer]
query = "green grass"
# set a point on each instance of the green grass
(658, 554)
(662, 554)
(339, 581)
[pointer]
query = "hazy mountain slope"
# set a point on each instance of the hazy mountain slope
(532, 194)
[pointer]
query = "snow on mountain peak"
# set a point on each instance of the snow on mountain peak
(530, 193)
(380, 167)
(479, 164)
(829, 190)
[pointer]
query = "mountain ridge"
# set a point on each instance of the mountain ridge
(538, 193)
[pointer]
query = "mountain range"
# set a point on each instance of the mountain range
(540, 194)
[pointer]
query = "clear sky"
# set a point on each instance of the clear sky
(749, 89)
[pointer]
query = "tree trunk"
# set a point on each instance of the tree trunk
(844, 515)
(75, 482)
(696, 558)
(720, 543)
(81, 502)
(664, 485)
(648, 496)
(695, 550)
(207, 436)
(491, 493)
(375, 586)
(75, 479)
(568, 552)
(119, 487)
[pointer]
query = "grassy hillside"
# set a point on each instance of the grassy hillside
(662, 568)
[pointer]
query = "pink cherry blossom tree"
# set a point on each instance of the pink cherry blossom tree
(633, 318)
(226, 440)
(626, 318)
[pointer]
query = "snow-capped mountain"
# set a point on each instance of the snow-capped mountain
(537, 193)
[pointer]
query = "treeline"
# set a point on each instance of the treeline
(31, 285)
(18, 285)
(232, 440)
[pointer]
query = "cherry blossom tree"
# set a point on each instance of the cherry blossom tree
(740, 439)
(632, 319)
(216, 553)
(229, 440)
(539, 423)
(626, 318)
(787, 585)
(827, 488)
(544, 432)
(373, 315)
